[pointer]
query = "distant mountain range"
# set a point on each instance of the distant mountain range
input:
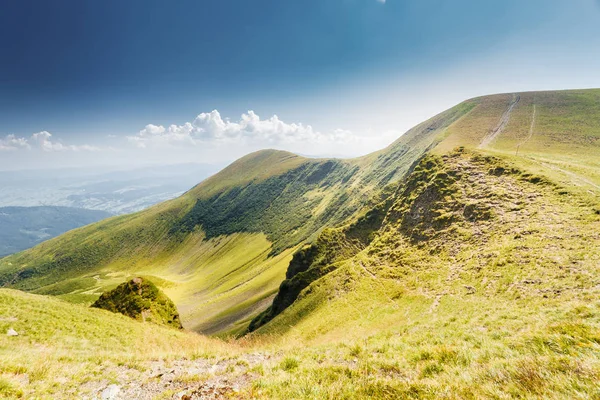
(117, 192)
(24, 227)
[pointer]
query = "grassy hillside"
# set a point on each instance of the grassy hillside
(480, 283)
(470, 280)
(221, 250)
(553, 133)
(534, 132)
(64, 348)
(481, 279)
(461, 262)
(24, 227)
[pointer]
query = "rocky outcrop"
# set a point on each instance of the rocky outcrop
(140, 299)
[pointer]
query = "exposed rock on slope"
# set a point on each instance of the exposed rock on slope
(140, 299)
(460, 221)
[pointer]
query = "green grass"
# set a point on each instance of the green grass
(217, 274)
(61, 346)
(474, 276)
(563, 142)
(220, 251)
(498, 300)
(8, 390)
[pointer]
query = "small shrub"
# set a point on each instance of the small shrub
(190, 378)
(447, 356)
(39, 372)
(258, 369)
(140, 299)
(424, 355)
(12, 369)
(242, 363)
(382, 390)
(356, 350)
(383, 349)
(391, 369)
(528, 376)
(8, 390)
(289, 364)
(431, 369)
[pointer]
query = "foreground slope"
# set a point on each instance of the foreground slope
(480, 282)
(220, 251)
(67, 350)
(474, 278)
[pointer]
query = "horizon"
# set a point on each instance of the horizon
(347, 78)
(109, 168)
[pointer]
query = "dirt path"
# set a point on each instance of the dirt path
(493, 134)
(530, 131)
(573, 175)
(436, 303)
(377, 279)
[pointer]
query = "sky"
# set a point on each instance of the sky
(140, 82)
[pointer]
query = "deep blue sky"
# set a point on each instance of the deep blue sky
(86, 69)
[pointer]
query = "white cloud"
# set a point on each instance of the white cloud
(158, 135)
(250, 128)
(42, 141)
(12, 143)
(208, 136)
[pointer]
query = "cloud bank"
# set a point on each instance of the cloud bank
(209, 138)
(250, 128)
(42, 141)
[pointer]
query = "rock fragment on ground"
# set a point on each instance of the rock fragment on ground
(110, 393)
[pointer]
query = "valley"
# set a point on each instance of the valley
(461, 261)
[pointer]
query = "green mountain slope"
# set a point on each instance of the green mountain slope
(220, 251)
(553, 133)
(550, 136)
(461, 262)
(477, 277)
(482, 282)
(61, 348)
(462, 226)
(24, 227)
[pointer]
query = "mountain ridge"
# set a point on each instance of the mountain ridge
(222, 249)
(461, 262)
